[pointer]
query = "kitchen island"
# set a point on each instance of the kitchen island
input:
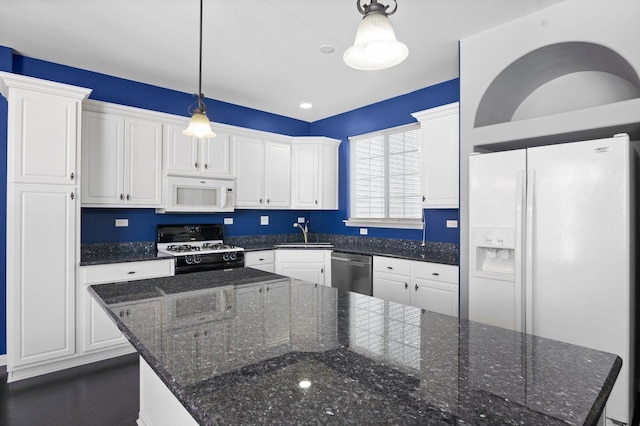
(244, 346)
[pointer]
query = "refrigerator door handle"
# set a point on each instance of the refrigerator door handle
(519, 249)
(528, 262)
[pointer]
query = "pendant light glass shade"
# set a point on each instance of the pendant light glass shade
(199, 126)
(376, 46)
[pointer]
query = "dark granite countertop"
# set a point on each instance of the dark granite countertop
(368, 361)
(435, 252)
(105, 253)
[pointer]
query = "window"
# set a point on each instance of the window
(385, 179)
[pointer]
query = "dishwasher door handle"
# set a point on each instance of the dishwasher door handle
(350, 261)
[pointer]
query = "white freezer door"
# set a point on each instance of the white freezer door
(496, 198)
(578, 250)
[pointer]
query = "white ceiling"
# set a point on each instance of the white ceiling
(262, 54)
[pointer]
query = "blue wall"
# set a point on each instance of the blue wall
(389, 113)
(98, 225)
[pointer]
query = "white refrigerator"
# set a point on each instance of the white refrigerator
(552, 247)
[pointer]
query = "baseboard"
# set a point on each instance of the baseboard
(3, 360)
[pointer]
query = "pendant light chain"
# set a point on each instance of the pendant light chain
(201, 106)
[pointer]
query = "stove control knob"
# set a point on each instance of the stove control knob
(233, 256)
(196, 258)
(225, 257)
(189, 260)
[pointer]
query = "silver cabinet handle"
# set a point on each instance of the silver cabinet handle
(261, 259)
(196, 164)
(322, 270)
(73, 175)
(316, 202)
(268, 200)
(435, 274)
(389, 267)
(131, 272)
(406, 285)
(73, 196)
(260, 200)
(416, 287)
(128, 197)
(122, 196)
(206, 166)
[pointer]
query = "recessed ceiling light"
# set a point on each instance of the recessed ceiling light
(325, 48)
(305, 105)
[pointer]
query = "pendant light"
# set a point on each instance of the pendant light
(375, 47)
(199, 125)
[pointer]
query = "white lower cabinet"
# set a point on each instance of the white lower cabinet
(97, 333)
(425, 285)
(305, 264)
(263, 260)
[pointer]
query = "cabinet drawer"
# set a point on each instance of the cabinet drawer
(436, 272)
(128, 271)
(302, 255)
(259, 257)
(391, 265)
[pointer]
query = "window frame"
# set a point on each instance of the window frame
(396, 223)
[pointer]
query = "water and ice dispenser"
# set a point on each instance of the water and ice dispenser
(494, 253)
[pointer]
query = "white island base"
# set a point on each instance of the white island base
(158, 405)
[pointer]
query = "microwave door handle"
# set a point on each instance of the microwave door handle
(223, 197)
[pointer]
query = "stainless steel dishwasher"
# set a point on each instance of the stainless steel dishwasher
(351, 272)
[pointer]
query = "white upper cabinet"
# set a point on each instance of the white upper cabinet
(45, 150)
(121, 157)
(314, 173)
(263, 173)
(189, 156)
(440, 147)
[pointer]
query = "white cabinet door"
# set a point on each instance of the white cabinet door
(41, 289)
(277, 175)
(307, 265)
(394, 288)
(43, 129)
(97, 330)
(314, 173)
(440, 142)
(305, 176)
(215, 156)
(435, 296)
(121, 157)
(312, 272)
(263, 260)
(181, 151)
(102, 154)
(143, 162)
(185, 155)
(249, 171)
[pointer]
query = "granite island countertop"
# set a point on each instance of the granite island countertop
(367, 361)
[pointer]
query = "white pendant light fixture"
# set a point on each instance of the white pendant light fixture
(376, 47)
(199, 125)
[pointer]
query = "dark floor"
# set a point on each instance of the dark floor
(100, 394)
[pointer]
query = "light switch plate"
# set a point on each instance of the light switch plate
(264, 220)
(452, 224)
(364, 231)
(121, 223)
(301, 220)
(228, 221)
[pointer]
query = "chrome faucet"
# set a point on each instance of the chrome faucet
(304, 229)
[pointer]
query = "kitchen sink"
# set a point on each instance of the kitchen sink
(304, 245)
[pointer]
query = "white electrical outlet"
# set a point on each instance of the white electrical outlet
(264, 220)
(452, 223)
(301, 220)
(228, 221)
(364, 231)
(121, 223)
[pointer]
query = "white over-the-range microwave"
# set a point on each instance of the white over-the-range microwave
(197, 195)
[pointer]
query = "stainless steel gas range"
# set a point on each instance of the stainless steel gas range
(198, 248)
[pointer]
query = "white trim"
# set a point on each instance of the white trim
(397, 129)
(3, 360)
(438, 112)
(385, 223)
